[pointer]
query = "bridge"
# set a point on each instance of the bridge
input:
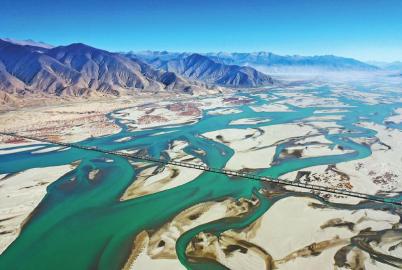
(278, 181)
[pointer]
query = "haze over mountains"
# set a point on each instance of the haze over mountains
(269, 62)
(326, 62)
(396, 65)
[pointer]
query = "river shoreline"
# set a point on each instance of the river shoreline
(165, 217)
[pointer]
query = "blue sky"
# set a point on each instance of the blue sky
(366, 30)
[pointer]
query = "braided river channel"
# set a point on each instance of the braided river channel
(81, 223)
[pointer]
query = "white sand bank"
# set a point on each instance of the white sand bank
(152, 179)
(19, 196)
(274, 107)
(255, 148)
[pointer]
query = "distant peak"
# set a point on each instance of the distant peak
(198, 56)
(79, 47)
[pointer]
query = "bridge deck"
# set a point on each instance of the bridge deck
(215, 170)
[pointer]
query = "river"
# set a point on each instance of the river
(82, 224)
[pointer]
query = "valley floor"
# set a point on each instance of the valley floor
(322, 133)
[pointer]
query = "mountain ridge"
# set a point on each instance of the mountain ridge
(200, 67)
(78, 69)
(270, 60)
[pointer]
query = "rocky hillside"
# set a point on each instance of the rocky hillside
(78, 69)
(202, 68)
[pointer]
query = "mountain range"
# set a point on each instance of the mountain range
(325, 62)
(30, 67)
(78, 69)
(202, 68)
(392, 66)
(267, 61)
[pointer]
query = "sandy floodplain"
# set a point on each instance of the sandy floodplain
(158, 178)
(80, 120)
(249, 121)
(224, 111)
(397, 117)
(305, 100)
(311, 237)
(67, 123)
(271, 108)
(20, 195)
(378, 173)
(256, 148)
(157, 249)
(295, 233)
(151, 116)
(174, 113)
(77, 121)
